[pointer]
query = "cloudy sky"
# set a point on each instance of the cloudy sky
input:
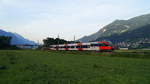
(38, 19)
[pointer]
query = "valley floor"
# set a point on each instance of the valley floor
(73, 67)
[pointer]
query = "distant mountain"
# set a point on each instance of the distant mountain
(141, 34)
(119, 27)
(16, 38)
(137, 38)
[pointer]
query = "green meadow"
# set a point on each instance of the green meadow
(74, 67)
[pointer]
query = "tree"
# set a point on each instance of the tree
(51, 41)
(5, 42)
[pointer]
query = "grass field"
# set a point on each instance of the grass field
(66, 67)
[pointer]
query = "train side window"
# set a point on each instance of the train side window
(106, 45)
(101, 44)
(94, 45)
(84, 46)
(88, 46)
(72, 46)
(68, 46)
(78, 46)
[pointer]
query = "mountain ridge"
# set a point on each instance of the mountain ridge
(118, 27)
(16, 38)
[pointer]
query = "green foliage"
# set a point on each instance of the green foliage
(51, 41)
(71, 67)
(4, 42)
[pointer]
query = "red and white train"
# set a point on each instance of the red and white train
(90, 46)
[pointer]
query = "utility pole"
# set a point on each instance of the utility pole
(57, 42)
(58, 36)
(74, 38)
(58, 39)
(38, 42)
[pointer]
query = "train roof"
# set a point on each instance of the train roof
(87, 43)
